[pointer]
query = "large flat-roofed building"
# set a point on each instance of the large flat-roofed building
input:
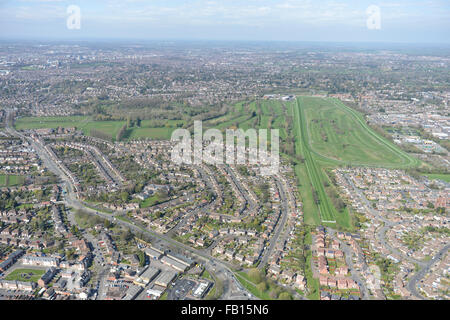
(181, 259)
(153, 254)
(201, 289)
(132, 292)
(165, 278)
(175, 264)
(160, 250)
(154, 292)
(149, 274)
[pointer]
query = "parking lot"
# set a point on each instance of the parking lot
(181, 288)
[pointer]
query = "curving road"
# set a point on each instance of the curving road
(355, 275)
(220, 268)
(381, 235)
(418, 276)
(279, 227)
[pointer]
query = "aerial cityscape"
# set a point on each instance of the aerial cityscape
(122, 176)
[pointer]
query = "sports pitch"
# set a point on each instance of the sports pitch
(328, 135)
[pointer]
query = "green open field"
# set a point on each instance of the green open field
(443, 176)
(150, 201)
(327, 134)
(261, 114)
(330, 134)
(11, 181)
(338, 134)
(321, 207)
(86, 124)
(83, 123)
(153, 133)
(243, 278)
(26, 275)
(268, 114)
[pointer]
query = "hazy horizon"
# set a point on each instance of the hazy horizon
(401, 21)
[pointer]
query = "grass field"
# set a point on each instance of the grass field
(26, 275)
(243, 278)
(322, 204)
(338, 134)
(11, 181)
(86, 124)
(310, 210)
(263, 114)
(153, 133)
(150, 201)
(268, 114)
(444, 177)
(83, 123)
(329, 134)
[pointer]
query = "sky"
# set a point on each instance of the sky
(401, 21)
